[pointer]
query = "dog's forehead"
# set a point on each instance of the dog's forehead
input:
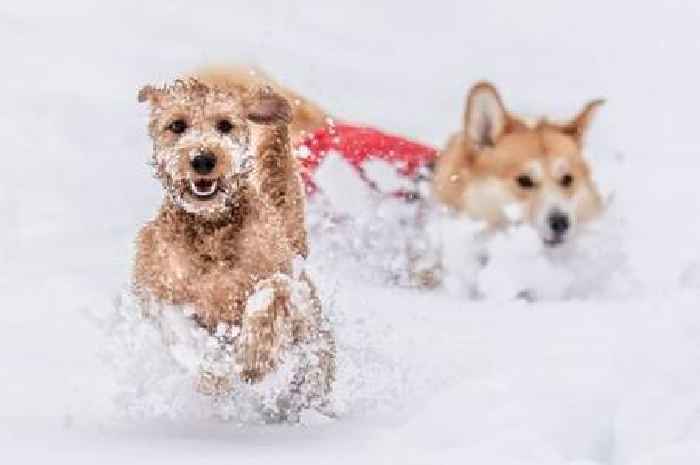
(555, 143)
(535, 168)
(198, 98)
(217, 103)
(559, 165)
(514, 152)
(563, 154)
(540, 151)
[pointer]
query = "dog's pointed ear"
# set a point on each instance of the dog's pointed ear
(578, 127)
(485, 119)
(149, 94)
(267, 107)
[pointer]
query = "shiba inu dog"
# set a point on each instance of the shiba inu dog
(499, 162)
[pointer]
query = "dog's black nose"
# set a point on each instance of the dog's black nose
(204, 163)
(559, 222)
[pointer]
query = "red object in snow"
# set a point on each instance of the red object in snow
(360, 144)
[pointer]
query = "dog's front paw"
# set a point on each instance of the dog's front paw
(261, 337)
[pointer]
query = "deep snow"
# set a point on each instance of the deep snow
(606, 375)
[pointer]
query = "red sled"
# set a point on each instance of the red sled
(358, 145)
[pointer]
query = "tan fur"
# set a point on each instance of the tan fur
(214, 254)
(479, 180)
(307, 117)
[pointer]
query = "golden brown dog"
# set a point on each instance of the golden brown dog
(499, 161)
(231, 223)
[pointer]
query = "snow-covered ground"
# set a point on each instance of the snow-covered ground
(609, 376)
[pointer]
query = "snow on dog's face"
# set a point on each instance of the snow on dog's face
(201, 141)
(509, 171)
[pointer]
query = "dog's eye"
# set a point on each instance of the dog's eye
(178, 126)
(224, 126)
(525, 181)
(567, 180)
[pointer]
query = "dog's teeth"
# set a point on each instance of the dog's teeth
(209, 191)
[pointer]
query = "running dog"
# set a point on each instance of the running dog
(231, 225)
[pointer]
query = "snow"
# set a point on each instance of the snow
(600, 369)
(261, 300)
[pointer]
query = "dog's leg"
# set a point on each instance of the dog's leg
(159, 268)
(217, 368)
(218, 310)
(285, 313)
(265, 329)
(284, 324)
(314, 379)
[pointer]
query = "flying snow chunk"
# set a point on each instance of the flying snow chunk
(260, 300)
(514, 212)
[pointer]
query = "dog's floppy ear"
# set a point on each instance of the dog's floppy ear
(150, 94)
(267, 107)
(578, 126)
(485, 118)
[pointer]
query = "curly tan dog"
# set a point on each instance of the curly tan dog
(231, 223)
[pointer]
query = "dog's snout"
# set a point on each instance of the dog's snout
(204, 163)
(559, 222)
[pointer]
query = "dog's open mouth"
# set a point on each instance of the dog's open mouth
(204, 189)
(555, 242)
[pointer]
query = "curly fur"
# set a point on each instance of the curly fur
(214, 254)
